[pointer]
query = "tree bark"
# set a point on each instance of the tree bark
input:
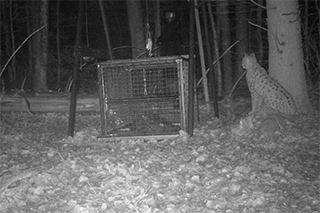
(7, 43)
(260, 32)
(13, 45)
(1, 6)
(202, 61)
(216, 53)
(41, 52)
(75, 83)
(191, 73)
(241, 34)
(285, 50)
(58, 47)
(224, 25)
(106, 30)
(136, 26)
(31, 41)
(212, 84)
(157, 25)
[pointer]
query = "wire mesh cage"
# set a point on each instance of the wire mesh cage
(143, 97)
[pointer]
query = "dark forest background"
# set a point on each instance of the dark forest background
(234, 20)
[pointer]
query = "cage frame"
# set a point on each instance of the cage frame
(181, 63)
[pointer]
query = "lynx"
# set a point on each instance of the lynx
(265, 89)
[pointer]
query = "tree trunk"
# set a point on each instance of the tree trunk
(285, 50)
(212, 84)
(1, 6)
(58, 47)
(260, 32)
(106, 30)
(41, 60)
(225, 37)
(241, 34)
(13, 45)
(8, 49)
(30, 41)
(157, 25)
(202, 61)
(217, 67)
(136, 27)
(318, 8)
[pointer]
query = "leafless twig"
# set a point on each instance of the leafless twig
(225, 52)
(259, 5)
(13, 54)
(253, 24)
(234, 86)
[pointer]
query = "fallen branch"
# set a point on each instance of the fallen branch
(7, 180)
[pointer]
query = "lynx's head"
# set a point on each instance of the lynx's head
(249, 61)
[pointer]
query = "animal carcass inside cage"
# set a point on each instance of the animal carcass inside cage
(144, 97)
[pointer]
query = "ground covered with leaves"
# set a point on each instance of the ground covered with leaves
(235, 163)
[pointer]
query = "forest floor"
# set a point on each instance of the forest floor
(234, 163)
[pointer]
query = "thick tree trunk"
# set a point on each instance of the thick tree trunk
(225, 37)
(41, 60)
(285, 50)
(136, 27)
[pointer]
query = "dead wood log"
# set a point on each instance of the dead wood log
(46, 103)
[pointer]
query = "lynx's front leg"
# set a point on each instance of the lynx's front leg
(256, 102)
